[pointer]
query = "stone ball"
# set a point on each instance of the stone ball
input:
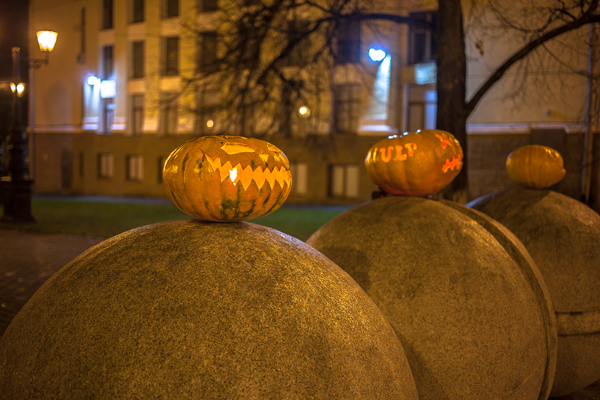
(193, 309)
(563, 237)
(461, 292)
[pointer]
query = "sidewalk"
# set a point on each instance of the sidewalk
(27, 260)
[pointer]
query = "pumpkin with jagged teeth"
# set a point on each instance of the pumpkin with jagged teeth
(227, 178)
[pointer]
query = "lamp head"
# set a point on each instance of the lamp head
(46, 40)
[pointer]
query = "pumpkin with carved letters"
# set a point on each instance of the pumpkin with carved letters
(415, 163)
(535, 166)
(227, 178)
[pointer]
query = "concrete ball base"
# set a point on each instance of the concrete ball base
(563, 237)
(191, 309)
(462, 294)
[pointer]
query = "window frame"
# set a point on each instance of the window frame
(170, 64)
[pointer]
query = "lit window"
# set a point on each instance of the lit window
(422, 108)
(105, 165)
(299, 178)
(135, 167)
(343, 181)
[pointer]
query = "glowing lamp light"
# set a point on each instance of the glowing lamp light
(304, 112)
(46, 40)
(19, 88)
(376, 54)
(93, 80)
(210, 123)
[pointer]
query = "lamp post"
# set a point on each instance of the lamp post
(16, 186)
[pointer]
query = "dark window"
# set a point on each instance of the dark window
(168, 114)
(107, 14)
(348, 50)
(107, 62)
(171, 56)
(81, 164)
(422, 43)
(82, 43)
(250, 48)
(299, 53)
(208, 105)
(207, 51)
(347, 102)
(171, 8)
(108, 115)
(137, 59)
(207, 5)
(137, 12)
(161, 165)
(137, 113)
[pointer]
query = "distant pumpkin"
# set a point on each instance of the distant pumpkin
(227, 178)
(415, 163)
(535, 166)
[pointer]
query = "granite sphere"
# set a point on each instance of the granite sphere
(193, 309)
(461, 292)
(563, 237)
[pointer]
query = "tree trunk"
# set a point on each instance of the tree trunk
(451, 87)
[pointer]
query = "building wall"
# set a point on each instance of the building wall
(69, 134)
(59, 154)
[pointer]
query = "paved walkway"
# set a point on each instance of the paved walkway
(27, 260)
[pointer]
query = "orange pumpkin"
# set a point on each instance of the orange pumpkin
(535, 166)
(415, 163)
(227, 178)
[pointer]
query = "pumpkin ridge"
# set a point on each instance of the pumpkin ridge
(206, 206)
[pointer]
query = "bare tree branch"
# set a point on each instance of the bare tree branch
(587, 18)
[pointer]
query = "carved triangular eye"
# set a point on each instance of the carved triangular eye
(231, 148)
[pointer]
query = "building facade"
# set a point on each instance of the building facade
(112, 103)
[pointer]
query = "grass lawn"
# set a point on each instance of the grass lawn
(103, 219)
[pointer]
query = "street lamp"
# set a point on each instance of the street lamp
(16, 187)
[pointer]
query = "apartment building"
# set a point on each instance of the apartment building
(120, 93)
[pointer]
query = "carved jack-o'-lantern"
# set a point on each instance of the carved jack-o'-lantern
(415, 163)
(227, 178)
(535, 166)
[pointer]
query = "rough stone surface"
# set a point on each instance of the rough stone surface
(563, 237)
(191, 309)
(462, 294)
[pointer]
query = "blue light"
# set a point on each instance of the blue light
(92, 80)
(376, 54)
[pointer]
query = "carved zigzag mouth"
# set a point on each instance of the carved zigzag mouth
(246, 175)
